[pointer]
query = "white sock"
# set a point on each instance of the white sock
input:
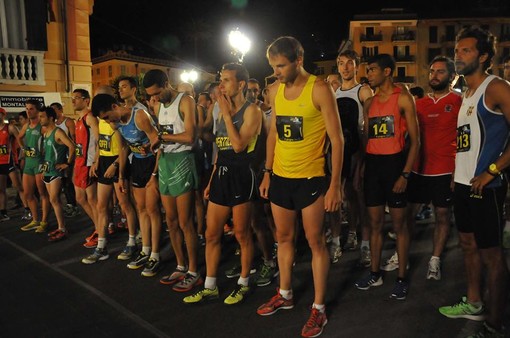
(287, 294)
(101, 243)
(210, 283)
(194, 274)
(365, 244)
(435, 257)
(131, 241)
(181, 268)
(243, 281)
(146, 249)
(320, 307)
(154, 255)
(336, 240)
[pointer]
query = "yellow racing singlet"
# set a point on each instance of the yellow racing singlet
(108, 145)
(300, 143)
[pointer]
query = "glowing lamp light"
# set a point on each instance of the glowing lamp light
(239, 43)
(190, 76)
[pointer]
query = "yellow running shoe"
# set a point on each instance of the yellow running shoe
(30, 226)
(204, 294)
(42, 227)
(237, 295)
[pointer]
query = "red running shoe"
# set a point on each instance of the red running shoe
(315, 324)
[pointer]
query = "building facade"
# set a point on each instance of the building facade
(414, 42)
(44, 51)
(108, 67)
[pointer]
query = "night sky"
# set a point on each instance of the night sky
(165, 29)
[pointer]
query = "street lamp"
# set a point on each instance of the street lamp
(190, 76)
(240, 44)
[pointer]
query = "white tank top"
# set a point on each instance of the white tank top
(171, 122)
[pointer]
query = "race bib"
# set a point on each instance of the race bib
(3, 149)
(105, 142)
(30, 152)
(138, 148)
(79, 150)
(381, 127)
(167, 129)
(463, 138)
(290, 128)
(45, 167)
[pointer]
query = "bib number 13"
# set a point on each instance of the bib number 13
(463, 138)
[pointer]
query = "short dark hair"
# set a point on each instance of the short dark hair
(350, 54)
(102, 103)
(23, 114)
(207, 96)
(84, 93)
(485, 42)
(212, 86)
(241, 71)
(132, 81)
(417, 91)
(450, 65)
(253, 80)
(287, 46)
(35, 103)
(155, 77)
(383, 61)
(57, 104)
(50, 112)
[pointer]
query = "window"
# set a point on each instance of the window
(369, 31)
(123, 70)
(370, 51)
(12, 24)
(98, 71)
(433, 34)
(401, 72)
(401, 30)
(110, 71)
(433, 52)
(450, 33)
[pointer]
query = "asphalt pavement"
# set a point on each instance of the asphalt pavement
(47, 292)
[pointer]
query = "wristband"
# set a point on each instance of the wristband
(154, 174)
(116, 164)
(491, 173)
(405, 174)
(266, 170)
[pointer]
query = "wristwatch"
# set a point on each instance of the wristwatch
(405, 174)
(116, 164)
(493, 169)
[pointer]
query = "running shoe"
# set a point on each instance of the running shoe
(128, 252)
(91, 241)
(151, 267)
(400, 290)
(27, 215)
(96, 256)
(276, 303)
(139, 261)
(463, 309)
(4, 217)
(59, 235)
(352, 241)
(188, 282)
(174, 277)
(372, 279)
(42, 227)
(30, 226)
(200, 296)
(365, 258)
(335, 252)
(267, 274)
(434, 271)
(315, 324)
(237, 296)
(391, 263)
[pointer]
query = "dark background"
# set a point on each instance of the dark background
(196, 32)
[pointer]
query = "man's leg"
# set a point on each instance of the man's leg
(497, 280)
(313, 216)
(43, 197)
(400, 228)
(376, 221)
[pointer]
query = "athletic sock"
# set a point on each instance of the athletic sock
(210, 283)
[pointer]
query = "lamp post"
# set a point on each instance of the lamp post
(190, 76)
(240, 44)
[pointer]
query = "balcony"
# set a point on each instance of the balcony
(404, 58)
(21, 67)
(370, 37)
(407, 36)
